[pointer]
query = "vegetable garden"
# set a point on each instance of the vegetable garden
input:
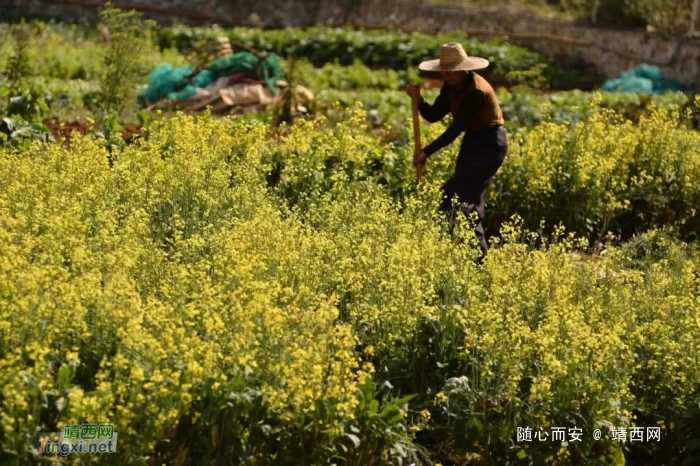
(236, 290)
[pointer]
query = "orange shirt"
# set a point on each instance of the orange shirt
(474, 107)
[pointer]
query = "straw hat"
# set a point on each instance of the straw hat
(453, 58)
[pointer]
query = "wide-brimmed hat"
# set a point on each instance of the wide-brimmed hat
(454, 58)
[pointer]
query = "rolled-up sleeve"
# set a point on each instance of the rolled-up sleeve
(469, 108)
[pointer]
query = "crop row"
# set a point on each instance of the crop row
(220, 293)
(375, 48)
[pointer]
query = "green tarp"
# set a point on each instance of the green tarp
(172, 82)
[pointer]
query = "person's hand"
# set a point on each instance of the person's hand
(419, 158)
(413, 90)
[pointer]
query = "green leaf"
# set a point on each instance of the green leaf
(63, 377)
(457, 385)
(406, 399)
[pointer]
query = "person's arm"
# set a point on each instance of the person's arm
(469, 109)
(437, 110)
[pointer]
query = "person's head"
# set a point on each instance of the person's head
(454, 78)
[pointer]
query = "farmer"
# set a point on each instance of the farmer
(475, 110)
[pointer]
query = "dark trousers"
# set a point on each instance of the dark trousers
(480, 156)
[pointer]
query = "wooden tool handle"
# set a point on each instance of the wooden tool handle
(416, 135)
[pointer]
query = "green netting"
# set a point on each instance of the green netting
(163, 80)
(201, 79)
(174, 83)
(268, 70)
(644, 79)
